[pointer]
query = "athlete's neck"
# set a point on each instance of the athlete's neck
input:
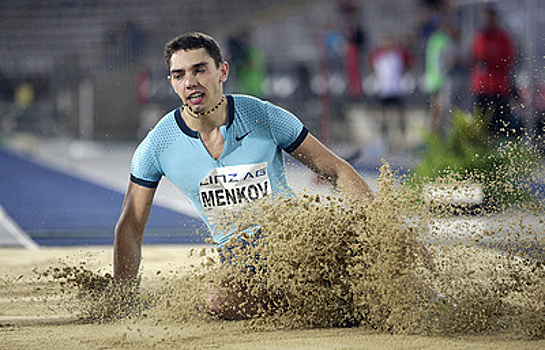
(205, 122)
(204, 114)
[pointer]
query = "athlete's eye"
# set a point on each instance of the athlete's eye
(177, 76)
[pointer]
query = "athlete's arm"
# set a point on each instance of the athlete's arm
(336, 170)
(129, 232)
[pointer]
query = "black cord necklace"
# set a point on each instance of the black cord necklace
(202, 114)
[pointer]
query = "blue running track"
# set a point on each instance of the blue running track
(55, 208)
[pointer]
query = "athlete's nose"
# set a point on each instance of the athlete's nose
(191, 81)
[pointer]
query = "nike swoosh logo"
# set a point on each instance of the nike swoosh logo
(239, 138)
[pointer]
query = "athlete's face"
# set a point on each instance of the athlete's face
(196, 79)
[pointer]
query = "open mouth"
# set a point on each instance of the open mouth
(196, 98)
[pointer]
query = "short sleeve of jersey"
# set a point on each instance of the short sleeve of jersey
(288, 131)
(144, 168)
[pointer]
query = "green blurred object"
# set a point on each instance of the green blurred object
(252, 74)
(504, 168)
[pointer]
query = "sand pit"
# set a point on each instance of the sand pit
(29, 321)
(338, 274)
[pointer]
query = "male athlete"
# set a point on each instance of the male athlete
(219, 150)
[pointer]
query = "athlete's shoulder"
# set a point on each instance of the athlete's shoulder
(163, 134)
(246, 104)
(241, 98)
(167, 119)
(165, 125)
(247, 101)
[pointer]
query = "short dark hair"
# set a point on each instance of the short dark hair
(194, 41)
(491, 11)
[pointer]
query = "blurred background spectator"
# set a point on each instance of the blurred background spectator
(247, 64)
(443, 57)
(389, 62)
(355, 38)
(493, 58)
(97, 65)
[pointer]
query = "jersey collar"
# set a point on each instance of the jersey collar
(194, 134)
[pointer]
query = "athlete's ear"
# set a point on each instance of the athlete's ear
(224, 69)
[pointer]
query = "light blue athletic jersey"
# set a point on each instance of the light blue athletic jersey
(250, 167)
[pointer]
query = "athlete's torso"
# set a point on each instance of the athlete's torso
(250, 167)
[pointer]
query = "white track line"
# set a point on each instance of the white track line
(15, 231)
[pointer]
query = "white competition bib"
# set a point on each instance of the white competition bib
(228, 187)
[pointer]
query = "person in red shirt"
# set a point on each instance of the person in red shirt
(493, 56)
